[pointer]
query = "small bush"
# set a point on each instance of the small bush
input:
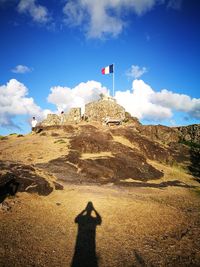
(3, 137)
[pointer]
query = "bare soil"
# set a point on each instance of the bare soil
(140, 227)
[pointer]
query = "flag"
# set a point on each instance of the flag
(108, 69)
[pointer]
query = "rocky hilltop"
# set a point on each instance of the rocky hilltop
(88, 153)
(95, 152)
(143, 181)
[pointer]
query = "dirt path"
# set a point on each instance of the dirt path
(139, 227)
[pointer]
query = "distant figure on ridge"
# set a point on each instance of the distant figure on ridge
(33, 124)
(62, 117)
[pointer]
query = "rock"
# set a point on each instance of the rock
(22, 178)
(58, 186)
(4, 206)
(160, 133)
(190, 133)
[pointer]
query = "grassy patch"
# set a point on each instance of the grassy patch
(173, 172)
(60, 141)
(3, 137)
(96, 155)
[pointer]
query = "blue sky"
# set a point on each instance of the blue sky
(52, 53)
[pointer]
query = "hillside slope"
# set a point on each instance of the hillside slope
(94, 154)
(141, 180)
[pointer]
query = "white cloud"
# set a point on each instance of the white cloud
(14, 101)
(136, 71)
(65, 98)
(138, 102)
(38, 13)
(144, 103)
(178, 102)
(21, 69)
(106, 17)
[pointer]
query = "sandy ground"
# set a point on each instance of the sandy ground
(140, 227)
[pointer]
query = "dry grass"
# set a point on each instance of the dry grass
(96, 155)
(41, 230)
(125, 141)
(33, 148)
(173, 173)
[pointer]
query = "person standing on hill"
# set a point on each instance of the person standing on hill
(62, 117)
(33, 124)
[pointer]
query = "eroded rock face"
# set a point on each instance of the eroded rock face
(24, 178)
(190, 133)
(160, 133)
(168, 135)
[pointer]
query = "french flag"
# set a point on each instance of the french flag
(108, 69)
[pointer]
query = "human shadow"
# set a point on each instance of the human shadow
(85, 248)
(8, 188)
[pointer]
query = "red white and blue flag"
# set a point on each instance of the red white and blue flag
(108, 69)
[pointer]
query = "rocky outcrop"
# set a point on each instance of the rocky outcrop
(189, 133)
(167, 135)
(16, 177)
(159, 133)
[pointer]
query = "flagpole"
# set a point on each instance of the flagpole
(113, 82)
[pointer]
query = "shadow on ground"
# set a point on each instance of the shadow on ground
(85, 248)
(8, 188)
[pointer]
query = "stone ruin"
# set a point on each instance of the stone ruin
(103, 109)
(73, 116)
(98, 111)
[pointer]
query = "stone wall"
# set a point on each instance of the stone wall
(73, 116)
(104, 108)
(52, 119)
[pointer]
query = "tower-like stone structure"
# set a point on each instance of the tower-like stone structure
(106, 107)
